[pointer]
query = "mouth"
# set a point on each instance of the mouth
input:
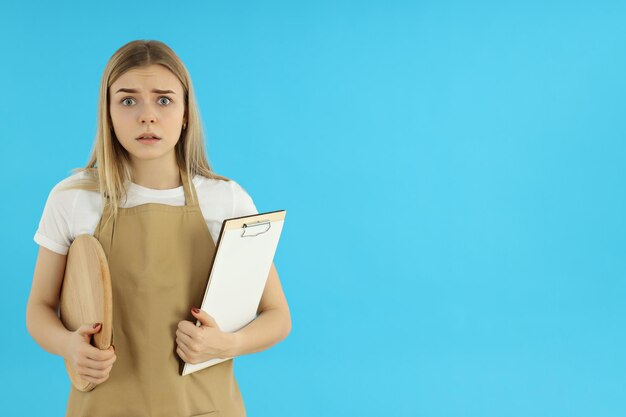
(147, 136)
(148, 140)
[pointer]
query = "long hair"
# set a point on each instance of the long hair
(108, 169)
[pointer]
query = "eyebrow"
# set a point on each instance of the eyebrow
(154, 90)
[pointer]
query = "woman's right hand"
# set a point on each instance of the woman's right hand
(89, 362)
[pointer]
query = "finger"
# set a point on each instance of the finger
(99, 365)
(188, 328)
(99, 354)
(184, 338)
(94, 380)
(89, 364)
(89, 329)
(181, 352)
(94, 373)
(98, 375)
(204, 317)
(189, 348)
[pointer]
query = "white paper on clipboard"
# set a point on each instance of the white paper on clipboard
(243, 258)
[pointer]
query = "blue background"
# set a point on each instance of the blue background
(453, 174)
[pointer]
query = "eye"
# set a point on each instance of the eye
(167, 98)
(126, 98)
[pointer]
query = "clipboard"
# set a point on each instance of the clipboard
(243, 258)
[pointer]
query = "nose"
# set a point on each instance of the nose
(147, 115)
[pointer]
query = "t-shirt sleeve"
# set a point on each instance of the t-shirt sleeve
(242, 202)
(55, 231)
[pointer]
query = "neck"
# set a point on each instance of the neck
(155, 174)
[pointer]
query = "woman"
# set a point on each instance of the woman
(150, 197)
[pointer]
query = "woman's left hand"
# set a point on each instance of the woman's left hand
(199, 344)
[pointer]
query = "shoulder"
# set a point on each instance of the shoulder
(231, 195)
(63, 190)
(70, 192)
(229, 188)
(56, 226)
(72, 186)
(68, 182)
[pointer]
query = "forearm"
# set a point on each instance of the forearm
(46, 328)
(269, 328)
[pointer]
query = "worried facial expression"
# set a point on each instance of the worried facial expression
(147, 101)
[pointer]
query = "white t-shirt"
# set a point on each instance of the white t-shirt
(69, 213)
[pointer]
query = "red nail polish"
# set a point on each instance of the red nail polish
(96, 325)
(195, 310)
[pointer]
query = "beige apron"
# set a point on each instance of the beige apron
(159, 257)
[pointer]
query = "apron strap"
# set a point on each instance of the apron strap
(191, 197)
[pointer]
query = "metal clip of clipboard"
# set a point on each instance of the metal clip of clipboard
(255, 229)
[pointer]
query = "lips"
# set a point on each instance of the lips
(148, 136)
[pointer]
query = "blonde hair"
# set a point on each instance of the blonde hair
(109, 168)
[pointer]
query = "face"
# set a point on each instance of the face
(148, 100)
